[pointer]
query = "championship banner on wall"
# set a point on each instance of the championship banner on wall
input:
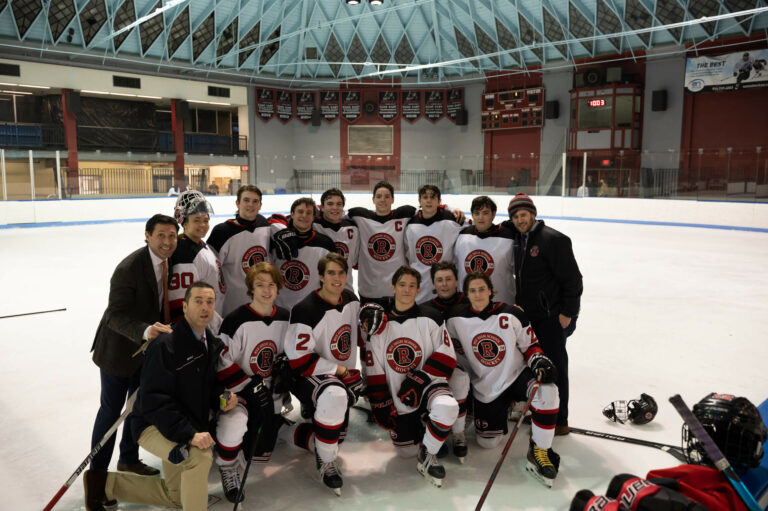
(284, 105)
(388, 104)
(265, 104)
(305, 103)
(454, 103)
(731, 71)
(350, 105)
(329, 105)
(411, 105)
(434, 105)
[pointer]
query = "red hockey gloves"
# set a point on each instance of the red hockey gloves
(384, 412)
(353, 380)
(413, 388)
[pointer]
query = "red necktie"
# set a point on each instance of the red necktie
(166, 305)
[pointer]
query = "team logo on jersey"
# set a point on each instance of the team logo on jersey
(341, 343)
(403, 354)
(262, 357)
(489, 349)
(295, 275)
(381, 246)
(253, 256)
(534, 251)
(481, 424)
(342, 249)
(429, 250)
(479, 260)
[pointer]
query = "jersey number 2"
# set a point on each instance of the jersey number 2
(302, 344)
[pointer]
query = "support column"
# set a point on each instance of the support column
(179, 110)
(69, 118)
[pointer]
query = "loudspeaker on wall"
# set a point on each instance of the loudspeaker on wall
(462, 116)
(659, 100)
(551, 110)
(316, 117)
(73, 102)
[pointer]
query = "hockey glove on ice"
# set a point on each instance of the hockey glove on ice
(373, 319)
(353, 380)
(285, 244)
(412, 388)
(543, 367)
(384, 412)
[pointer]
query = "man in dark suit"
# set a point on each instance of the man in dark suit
(135, 314)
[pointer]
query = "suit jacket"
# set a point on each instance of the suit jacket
(134, 304)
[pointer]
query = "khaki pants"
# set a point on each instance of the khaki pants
(184, 486)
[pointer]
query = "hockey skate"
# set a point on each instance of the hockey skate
(429, 466)
(230, 481)
(460, 446)
(330, 475)
(543, 464)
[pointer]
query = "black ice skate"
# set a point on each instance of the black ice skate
(429, 466)
(460, 446)
(230, 481)
(542, 464)
(330, 475)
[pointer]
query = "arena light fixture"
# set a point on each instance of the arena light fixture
(376, 2)
(353, 2)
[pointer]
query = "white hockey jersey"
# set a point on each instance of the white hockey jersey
(300, 276)
(346, 238)
(429, 241)
(251, 344)
(416, 339)
(490, 252)
(322, 336)
(239, 245)
(497, 343)
(191, 262)
(382, 249)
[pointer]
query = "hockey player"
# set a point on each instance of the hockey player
(342, 231)
(382, 240)
(239, 244)
(321, 346)
(488, 248)
(504, 359)
(410, 356)
(430, 237)
(193, 260)
(299, 270)
(445, 282)
(253, 337)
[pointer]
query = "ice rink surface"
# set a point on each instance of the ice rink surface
(665, 310)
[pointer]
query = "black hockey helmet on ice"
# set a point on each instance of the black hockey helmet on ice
(189, 203)
(734, 424)
(643, 410)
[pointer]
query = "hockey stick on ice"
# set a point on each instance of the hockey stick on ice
(32, 313)
(713, 452)
(252, 449)
(506, 447)
(669, 449)
(96, 449)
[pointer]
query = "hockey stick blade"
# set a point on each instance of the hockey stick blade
(713, 452)
(507, 446)
(669, 449)
(94, 451)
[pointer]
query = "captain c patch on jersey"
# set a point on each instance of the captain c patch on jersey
(479, 260)
(262, 357)
(253, 256)
(403, 354)
(341, 343)
(381, 246)
(295, 275)
(429, 250)
(489, 349)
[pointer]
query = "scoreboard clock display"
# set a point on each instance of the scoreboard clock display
(513, 109)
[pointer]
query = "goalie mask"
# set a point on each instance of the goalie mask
(735, 426)
(189, 203)
(637, 411)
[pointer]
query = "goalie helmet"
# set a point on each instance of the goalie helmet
(735, 426)
(637, 411)
(189, 203)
